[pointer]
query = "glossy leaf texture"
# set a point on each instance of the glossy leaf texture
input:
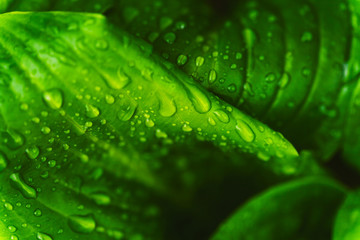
(63, 140)
(272, 59)
(301, 209)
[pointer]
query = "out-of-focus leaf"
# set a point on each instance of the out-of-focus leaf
(302, 209)
(347, 224)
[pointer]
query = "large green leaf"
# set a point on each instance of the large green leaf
(302, 209)
(81, 118)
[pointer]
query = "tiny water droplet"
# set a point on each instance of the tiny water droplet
(306, 72)
(82, 223)
(32, 152)
(92, 111)
(231, 88)
(53, 98)
(245, 131)
(26, 190)
(101, 198)
(211, 121)
(102, 44)
(306, 37)
(37, 213)
(109, 99)
(45, 130)
(149, 123)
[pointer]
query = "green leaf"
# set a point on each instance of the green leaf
(347, 224)
(81, 118)
(302, 209)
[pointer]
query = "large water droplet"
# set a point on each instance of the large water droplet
(199, 61)
(43, 236)
(53, 98)
(32, 152)
(92, 111)
(212, 76)
(12, 139)
(198, 98)
(170, 37)
(167, 106)
(182, 59)
(82, 223)
(222, 116)
(127, 109)
(26, 190)
(245, 131)
(3, 162)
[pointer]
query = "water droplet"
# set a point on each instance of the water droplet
(8, 206)
(231, 88)
(121, 82)
(127, 110)
(222, 116)
(82, 223)
(198, 98)
(109, 99)
(263, 156)
(167, 106)
(32, 152)
(43, 236)
(245, 131)
(211, 121)
(170, 37)
(182, 60)
(3, 162)
(53, 98)
(270, 77)
(92, 111)
(37, 213)
(12, 229)
(100, 198)
(238, 56)
(212, 76)
(12, 139)
(186, 128)
(45, 130)
(149, 123)
(26, 190)
(14, 237)
(199, 61)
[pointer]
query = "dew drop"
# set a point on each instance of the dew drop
(12, 139)
(53, 98)
(100, 198)
(199, 61)
(182, 60)
(199, 99)
(109, 99)
(127, 110)
(149, 123)
(170, 37)
(212, 76)
(37, 213)
(167, 106)
(231, 88)
(82, 223)
(8, 206)
(45, 130)
(32, 152)
(270, 77)
(12, 228)
(26, 190)
(245, 131)
(102, 44)
(186, 128)
(92, 111)
(211, 121)
(43, 236)
(222, 116)
(306, 37)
